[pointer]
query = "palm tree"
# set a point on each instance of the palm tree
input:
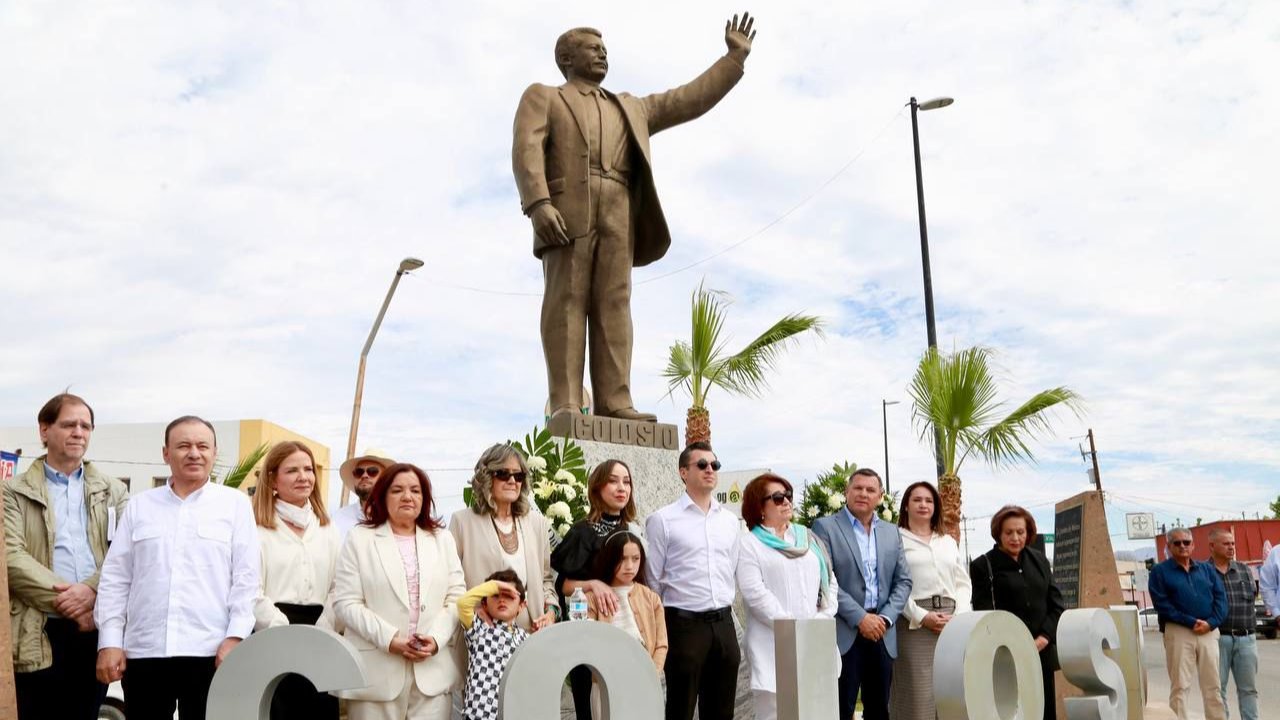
(239, 472)
(699, 365)
(954, 404)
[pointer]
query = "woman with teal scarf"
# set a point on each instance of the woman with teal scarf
(784, 571)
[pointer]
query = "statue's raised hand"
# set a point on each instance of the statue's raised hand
(738, 36)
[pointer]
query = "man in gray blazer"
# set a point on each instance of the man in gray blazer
(871, 570)
(581, 161)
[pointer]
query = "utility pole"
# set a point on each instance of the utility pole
(1093, 455)
(964, 527)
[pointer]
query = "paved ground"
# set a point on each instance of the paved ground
(1158, 682)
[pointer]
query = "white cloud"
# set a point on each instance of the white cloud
(200, 210)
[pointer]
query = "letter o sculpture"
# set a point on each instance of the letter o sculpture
(245, 682)
(629, 690)
(986, 666)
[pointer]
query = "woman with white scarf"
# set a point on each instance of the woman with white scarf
(784, 571)
(299, 548)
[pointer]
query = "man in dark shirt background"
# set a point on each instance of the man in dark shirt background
(1191, 604)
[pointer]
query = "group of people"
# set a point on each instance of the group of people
(156, 590)
(1207, 615)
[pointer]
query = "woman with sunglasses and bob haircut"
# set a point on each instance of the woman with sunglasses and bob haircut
(784, 571)
(498, 532)
(1015, 577)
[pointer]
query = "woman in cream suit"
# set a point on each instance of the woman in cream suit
(499, 532)
(397, 581)
(299, 551)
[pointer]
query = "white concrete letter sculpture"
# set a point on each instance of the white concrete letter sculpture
(806, 665)
(986, 666)
(1083, 635)
(630, 689)
(246, 680)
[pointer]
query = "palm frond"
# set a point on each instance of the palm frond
(745, 372)
(1005, 442)
(238, 472)
(679, 370)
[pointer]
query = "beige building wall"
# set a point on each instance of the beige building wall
(254, 433)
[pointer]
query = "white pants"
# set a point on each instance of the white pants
(410, 703)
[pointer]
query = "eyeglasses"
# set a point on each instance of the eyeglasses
(703, 464)
(779, 497)
(504, 475)
(370, 471)
(1179, 543)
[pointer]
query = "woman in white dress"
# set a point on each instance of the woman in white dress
(299, 551)
(783, 572)
(940, 588)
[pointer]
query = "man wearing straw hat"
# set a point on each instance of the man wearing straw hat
(358, 475)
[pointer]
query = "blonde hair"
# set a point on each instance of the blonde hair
(264, 498)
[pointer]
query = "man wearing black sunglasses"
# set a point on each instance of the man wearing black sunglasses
(693, 551)
(358, 475)
(1190, 602)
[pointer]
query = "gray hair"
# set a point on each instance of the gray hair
(1168, 536)
(482, 480)
(1218, 532)
(568, 42)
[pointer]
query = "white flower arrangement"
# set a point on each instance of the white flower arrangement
(559, 510)
(536, 464)
(543, 489)
(834, 502)
(569, 492)
(563, 476)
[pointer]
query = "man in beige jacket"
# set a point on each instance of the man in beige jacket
(581, 163)
(58, 518)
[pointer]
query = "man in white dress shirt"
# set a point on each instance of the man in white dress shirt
(179, 582)
(693, 553)
(359, 474)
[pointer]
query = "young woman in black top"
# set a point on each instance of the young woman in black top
(613, 507)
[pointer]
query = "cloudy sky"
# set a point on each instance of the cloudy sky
(202, 204)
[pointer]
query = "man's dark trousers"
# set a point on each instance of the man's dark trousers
(69, 688)
(868, 666)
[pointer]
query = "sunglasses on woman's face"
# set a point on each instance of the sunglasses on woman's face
(703, 464)
(362, 471)
(504, 475)
(779, 497)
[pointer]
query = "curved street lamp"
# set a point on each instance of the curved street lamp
(408, 264)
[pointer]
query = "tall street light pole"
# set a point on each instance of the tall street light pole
(933, 104)
(406, 265)
(884, 412)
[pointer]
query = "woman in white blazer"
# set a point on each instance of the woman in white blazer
(501, 530)
(398, 579)
(784, 572)
(299, 551)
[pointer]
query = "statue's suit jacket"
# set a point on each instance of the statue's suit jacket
(892, 575)
(550, 155)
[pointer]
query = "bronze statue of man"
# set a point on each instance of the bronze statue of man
(581, 163)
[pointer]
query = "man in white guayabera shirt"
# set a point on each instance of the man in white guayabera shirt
(179, 582)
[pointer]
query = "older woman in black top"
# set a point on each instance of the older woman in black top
(613, 507)
(1016, 578)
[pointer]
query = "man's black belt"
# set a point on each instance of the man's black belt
(716, 615)
(936, 602)
(1238, 633)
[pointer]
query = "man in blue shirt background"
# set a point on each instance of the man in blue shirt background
(1191, 603)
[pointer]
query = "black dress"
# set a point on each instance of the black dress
(1025, 588)
(573, 559)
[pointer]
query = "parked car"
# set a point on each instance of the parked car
(1148, 619)
(1266, 621)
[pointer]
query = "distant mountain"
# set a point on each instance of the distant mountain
(1136, 555)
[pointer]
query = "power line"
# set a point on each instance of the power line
(732, 246)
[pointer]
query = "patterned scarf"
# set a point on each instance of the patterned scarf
(804, 542)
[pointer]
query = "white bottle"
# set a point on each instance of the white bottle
(578, 605)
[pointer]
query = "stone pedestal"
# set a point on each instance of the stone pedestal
(1084, 564)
